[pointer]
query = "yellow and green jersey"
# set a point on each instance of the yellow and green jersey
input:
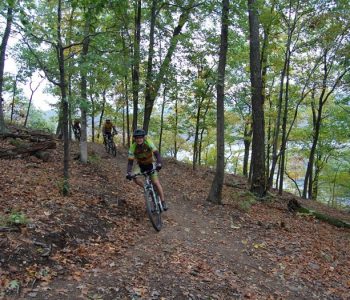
(142, 153)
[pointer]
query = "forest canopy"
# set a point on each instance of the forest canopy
(154, 64)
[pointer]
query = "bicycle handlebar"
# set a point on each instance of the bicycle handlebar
(143, 173)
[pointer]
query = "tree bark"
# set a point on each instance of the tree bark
(64, 101)
(5, 38)
(30, 100)
(153, 92)
(162, 122)
(324, 96)
(102, 112)
(215, 194)
(83, 90)
(14, 91)
(176, 124)
(136, 64)
(258, 184)
(247, 141)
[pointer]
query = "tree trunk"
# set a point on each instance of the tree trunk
(258, 184)
(102, 112)
(247, 141)
(83, 90)
(215, 194)
(151, 96)
(149, 74)
(196, 133)
(324, 96)
(162, 122)
(127, 112)
(136, 64)
(176, 125)
(4, 42)
(63, 85)
(30, 100)
(92, 117)
(13, 97)
(284, 128)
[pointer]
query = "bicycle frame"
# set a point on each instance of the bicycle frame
(109, 144)
(153, 204)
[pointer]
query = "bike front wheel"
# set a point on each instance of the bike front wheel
(153, 210)
(113, 149)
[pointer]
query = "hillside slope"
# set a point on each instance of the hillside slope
(98, 243)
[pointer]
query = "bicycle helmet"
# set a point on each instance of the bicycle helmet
(108, 120)
(139, 132)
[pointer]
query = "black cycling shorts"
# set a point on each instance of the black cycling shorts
(145, 168)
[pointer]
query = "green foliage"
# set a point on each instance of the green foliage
(15, 218)
(37, 120)
(244, 200)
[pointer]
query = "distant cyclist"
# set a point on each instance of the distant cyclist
(76, 129)
(107, 129)
(143, 151)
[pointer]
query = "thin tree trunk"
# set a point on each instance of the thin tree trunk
(247, 141)
(258, 184)
(176, 125)
(215, 194)
(196, 133)
(162, 121)
(63, 85)
(102, 112)
(4, 42)
(200, 147)
(152, 94)
(324, 96)
(92, 117)
(284, 129)
(30, 100)
(83, 90)
(136, 64)
(316, 177)
(127, 111)
(149, 74)
(13, 97)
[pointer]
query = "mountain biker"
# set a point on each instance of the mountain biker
(144, 151)
(76, 128)
(107, 129)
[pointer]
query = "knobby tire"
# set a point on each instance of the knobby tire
(153, 210)
(113, 149)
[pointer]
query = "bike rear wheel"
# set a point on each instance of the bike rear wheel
(153, 210)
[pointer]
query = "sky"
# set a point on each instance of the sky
(41, 100)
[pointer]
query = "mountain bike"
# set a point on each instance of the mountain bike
(109, 144)
(154, 206)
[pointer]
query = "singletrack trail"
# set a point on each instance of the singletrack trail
(204, 251)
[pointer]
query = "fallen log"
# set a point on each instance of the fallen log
(33, 137)
(27, 150)
(295, 207)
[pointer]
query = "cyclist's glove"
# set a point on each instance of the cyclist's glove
(158, 166)
(128, 176)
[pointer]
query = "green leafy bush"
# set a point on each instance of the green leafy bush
(17, 218)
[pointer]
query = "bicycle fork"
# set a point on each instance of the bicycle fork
(157, 201)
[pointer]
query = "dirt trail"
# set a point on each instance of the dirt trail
(203, 251)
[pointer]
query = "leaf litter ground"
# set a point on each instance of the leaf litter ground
(98, 243)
